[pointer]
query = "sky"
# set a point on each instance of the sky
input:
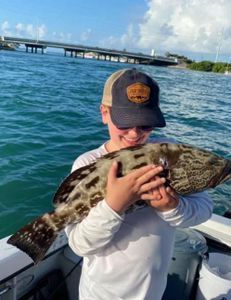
(198, 29)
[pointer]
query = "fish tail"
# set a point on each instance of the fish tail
(35, 238)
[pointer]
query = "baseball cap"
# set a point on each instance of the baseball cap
(133, 98)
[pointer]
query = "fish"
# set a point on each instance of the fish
(187, 170)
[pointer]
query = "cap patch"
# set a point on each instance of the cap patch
(138, 92)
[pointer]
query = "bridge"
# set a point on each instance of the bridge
(75, 50)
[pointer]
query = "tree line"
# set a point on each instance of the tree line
(206, 66)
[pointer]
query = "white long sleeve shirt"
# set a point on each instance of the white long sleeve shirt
(127, 257)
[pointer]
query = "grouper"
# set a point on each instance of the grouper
(187, 170)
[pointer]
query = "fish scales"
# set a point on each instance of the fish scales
(187, 170)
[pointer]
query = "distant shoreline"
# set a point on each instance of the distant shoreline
(179, 66)
(206, 66)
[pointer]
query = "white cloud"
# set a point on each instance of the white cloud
(109, 42)
(23, 30)
(19, 27)
(196, 25)
(62, 37)
(85, 35)
(30, 30)
(42, 30)
(127, 41)
(5, 28)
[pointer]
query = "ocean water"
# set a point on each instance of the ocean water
(49, 114)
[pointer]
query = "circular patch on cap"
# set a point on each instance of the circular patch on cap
(138, 92)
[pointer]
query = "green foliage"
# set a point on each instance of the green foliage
(208, 66)
(228, 68)
(205, 66)
(219, 68)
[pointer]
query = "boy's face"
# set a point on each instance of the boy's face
(120, 138)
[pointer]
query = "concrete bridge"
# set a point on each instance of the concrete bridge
(75, 50)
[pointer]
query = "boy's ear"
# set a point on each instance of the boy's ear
(104, 113)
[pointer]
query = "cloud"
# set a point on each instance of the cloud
(42, 30)
(85, 36)
(5, 28)
(62, 37)
(23, 30)
(197, 26)
(127, 41)
(129, 38)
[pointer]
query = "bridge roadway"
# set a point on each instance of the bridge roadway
(139, 58)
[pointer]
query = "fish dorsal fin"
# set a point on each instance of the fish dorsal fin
(70, 182)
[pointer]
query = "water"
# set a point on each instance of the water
(49, 108)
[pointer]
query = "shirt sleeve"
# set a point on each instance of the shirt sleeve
(95, 231)
(192, 210)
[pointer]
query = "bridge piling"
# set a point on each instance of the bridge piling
(34, 48)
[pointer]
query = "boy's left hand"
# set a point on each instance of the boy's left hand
(162, 198)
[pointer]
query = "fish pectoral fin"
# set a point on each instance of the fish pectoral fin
(70, 182)
(34, 239)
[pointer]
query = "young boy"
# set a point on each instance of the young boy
(126, 256)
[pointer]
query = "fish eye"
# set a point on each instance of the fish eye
(163, 161)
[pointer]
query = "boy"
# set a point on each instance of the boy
(126, 256)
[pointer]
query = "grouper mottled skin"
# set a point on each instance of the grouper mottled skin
(186, 168)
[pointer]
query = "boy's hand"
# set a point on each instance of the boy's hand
(123, 191)
(161, 198)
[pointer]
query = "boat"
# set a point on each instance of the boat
(4, 45)
(8, 46)
(57, 276)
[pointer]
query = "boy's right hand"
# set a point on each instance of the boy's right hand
(124, 191)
